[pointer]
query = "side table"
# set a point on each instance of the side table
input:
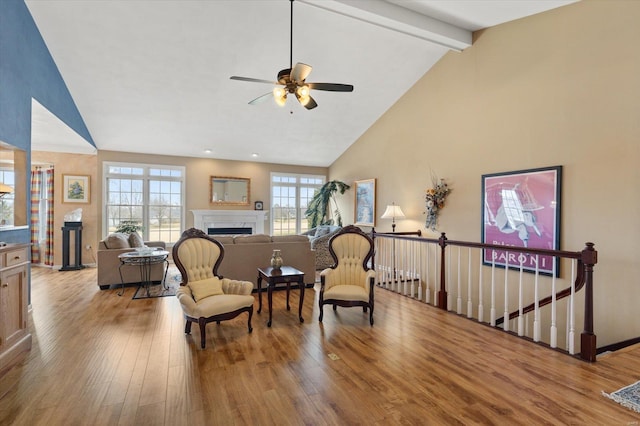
(144, 262)
(286, 274)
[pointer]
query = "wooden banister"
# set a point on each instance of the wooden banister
(586, 260)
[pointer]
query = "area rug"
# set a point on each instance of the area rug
(628, 396)
(158, 290)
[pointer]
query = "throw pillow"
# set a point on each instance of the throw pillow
(322, 230)
(205, 288)
(117, 241)
(135, 240)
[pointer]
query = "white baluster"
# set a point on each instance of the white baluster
(480, 296)
(554, 328)
(420, 272)
(505, 323)
(412, 268)
(459, 297)
(405, 290)
(447, 280)
(520, 314)
(389, 261)
(469, 303)
(493, 288)
(572, 314)
(536, 307)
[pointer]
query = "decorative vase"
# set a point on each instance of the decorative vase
(276, 259)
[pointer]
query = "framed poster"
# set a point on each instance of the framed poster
(75, 188)
(365, 207)
(522, 209)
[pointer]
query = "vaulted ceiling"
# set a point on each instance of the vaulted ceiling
(152, 76)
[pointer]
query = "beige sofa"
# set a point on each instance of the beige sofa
(244, 254)
(108, 263)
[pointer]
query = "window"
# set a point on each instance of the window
(149, 195)
(7, 176)
(290, 196)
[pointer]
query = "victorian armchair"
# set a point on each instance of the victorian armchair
(349, 282)
(204, 296)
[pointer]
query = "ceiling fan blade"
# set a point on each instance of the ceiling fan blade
(331, 87)
(253, 80)
(261, 98)
(300, 72)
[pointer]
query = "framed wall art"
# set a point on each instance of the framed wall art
(522, 209)
(75, 188)
(365, 206)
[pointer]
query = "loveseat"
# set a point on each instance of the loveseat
(108, 263)
(244, 254)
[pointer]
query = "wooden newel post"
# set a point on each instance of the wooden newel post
(588, 338)
(442, 293)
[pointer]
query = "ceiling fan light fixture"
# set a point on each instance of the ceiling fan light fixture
(280, 95)
(304, 100)
(303, 91)
(293, 80)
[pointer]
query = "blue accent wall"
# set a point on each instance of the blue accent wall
(27, 71)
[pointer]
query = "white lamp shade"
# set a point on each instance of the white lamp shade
(5, 189)
(393, 212)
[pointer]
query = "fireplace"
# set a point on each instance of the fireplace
(229, 221)
(229, 231)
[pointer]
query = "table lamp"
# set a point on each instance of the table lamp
(5, 189)
(393, 212)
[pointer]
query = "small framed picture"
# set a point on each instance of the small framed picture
(75, 188)
(365, 208)
(258, 205)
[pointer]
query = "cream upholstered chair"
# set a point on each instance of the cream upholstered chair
(206, 297)
(349, 282)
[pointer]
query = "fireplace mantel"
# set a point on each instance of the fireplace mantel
(205, 219)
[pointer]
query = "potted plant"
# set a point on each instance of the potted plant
(319, 209)
(129, 227)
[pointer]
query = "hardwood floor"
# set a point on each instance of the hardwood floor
(100, 359)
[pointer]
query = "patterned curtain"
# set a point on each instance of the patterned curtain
(36, 187)
(48, 252)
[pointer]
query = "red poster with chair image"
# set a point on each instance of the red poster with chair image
(522, 209)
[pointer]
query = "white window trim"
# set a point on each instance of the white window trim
(297, 184)
(144, 176)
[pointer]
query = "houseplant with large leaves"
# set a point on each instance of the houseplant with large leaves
(319, 210)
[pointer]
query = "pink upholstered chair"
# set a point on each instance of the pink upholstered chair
(204, 296)
(349, 282)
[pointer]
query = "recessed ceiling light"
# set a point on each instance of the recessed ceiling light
(255, 154)
(207, 151)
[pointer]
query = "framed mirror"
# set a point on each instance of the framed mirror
(230, 191)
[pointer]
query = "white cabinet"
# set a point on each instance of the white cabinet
(14, 284)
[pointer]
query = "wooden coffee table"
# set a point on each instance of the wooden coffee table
(286, 274)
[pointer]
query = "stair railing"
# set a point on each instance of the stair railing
(446, 273)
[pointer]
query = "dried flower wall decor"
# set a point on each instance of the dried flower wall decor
(435, 198)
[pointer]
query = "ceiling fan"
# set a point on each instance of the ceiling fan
(293, 80)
